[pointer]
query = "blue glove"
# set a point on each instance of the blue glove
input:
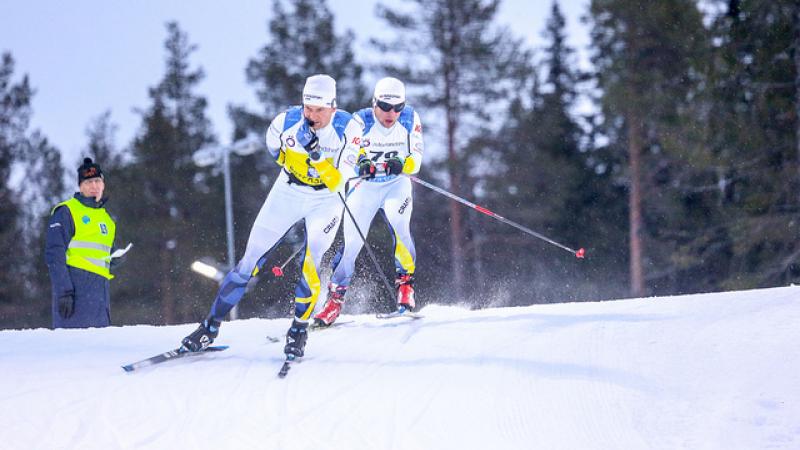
(308, 139)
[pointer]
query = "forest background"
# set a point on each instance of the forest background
(683, 176)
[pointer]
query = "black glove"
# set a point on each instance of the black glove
(394, 166)
(66, 306)
(312, 147)
(308, 139)
(366, 168)
(118, 261)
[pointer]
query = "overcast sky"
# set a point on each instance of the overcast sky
(84, 57)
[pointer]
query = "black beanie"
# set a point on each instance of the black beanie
(88, 170)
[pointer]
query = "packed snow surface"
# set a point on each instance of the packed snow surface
(709, 371)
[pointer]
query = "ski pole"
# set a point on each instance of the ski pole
(278, 271)
(579, 253)
(369, 249)
(354, 186)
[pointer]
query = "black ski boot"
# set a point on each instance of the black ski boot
(202, 337)
(296, 339)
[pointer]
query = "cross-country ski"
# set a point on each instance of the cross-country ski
(169, 356)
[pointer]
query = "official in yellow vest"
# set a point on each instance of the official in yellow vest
(78, 252)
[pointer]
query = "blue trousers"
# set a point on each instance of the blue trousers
(92, 301)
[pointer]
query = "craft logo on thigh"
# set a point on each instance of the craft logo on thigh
(404, 205)
(330, 226)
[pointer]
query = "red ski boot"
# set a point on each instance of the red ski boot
(405, 291)
(333, 306)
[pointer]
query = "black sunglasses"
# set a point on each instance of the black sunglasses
(386, 107)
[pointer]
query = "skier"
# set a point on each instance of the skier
(393, 142)
(78, 253)
(318, 147)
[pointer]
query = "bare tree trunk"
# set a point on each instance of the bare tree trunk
(635, 204)
(450, 74)
(167, 297)
(456, 232)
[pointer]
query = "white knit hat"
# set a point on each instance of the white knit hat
(320, 90)
(390, 90)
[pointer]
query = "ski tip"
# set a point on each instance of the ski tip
(127, 368)
(581, 253)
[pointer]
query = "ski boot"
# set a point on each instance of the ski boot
(203, 336)
(405, 291)
(296, 339)
(333, 306)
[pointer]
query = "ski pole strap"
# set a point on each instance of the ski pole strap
(578, 253)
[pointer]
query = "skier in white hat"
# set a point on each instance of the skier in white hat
(392, 139)
(318, 147)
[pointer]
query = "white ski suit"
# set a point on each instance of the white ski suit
(390, 193)
(301, 192)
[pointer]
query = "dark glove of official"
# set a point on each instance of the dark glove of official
(394, 166)
(118, 261)
(366, 168)
(66, 306)
(308, 139)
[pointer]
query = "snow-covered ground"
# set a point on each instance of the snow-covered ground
(712, 371)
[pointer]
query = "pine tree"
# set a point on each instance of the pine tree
(644, 59)
(101, 146)
(15, 112)
(463, 67)
(44, 181)
(753, 134)
(166, 213)
(544, 177)
(302, 42)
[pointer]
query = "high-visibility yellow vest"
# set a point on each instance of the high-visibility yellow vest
(90, 247)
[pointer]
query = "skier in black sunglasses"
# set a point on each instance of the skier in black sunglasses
(392, 140)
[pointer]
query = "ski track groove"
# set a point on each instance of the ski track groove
(367, 375)
(328, 407)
